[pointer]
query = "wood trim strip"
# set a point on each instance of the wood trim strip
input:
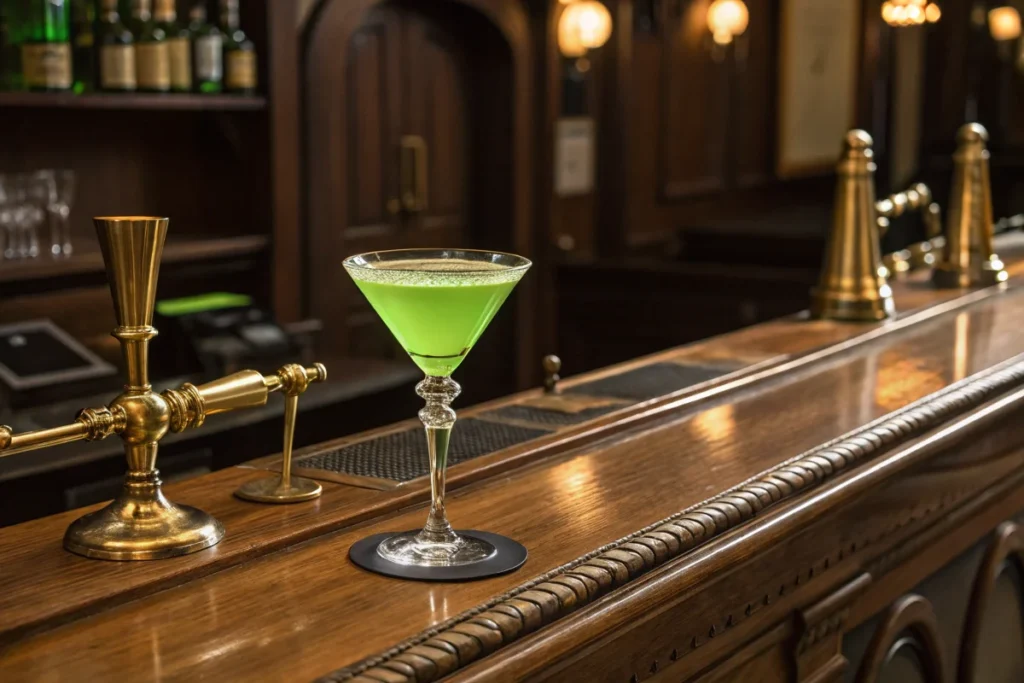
(539, 601)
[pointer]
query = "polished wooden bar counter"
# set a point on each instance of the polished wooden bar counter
(819, 502)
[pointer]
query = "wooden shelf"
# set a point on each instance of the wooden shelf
(91, 261)
(170, 102)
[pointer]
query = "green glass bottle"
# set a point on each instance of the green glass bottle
(10, 51)
(179, 44)
(46, 46)
(152, 61)
(117, 50)
(207, 52)
(239, 52)
(83, 43)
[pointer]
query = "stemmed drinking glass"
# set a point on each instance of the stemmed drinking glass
(59, 208)
(437, 303)
(8, 226)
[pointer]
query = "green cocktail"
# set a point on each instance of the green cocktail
(437, 303)
(436, 309)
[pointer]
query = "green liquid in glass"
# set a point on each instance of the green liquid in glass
(436, 308)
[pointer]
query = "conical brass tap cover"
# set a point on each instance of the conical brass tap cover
(853, 282)
(968, 257)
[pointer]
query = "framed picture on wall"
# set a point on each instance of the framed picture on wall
(818, 66)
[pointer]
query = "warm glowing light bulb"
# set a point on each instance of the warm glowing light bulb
(1004, 23)
(932, 13)
(887, 12)
(583, 26)
(727, 19)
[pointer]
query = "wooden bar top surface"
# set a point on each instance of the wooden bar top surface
(278, 598)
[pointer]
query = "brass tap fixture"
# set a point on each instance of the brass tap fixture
(853, 284)
(968, 258)
(917, 197)
(140, 523)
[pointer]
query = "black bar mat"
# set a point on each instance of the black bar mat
(543, 416)
(650, 381)
(402, 456)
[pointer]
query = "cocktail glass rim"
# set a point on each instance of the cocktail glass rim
(521, 262)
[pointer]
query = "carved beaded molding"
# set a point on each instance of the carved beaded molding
(477, 632)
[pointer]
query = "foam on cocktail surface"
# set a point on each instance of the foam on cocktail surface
(435, 272)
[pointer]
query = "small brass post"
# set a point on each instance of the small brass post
(853, 284)
(140, 523)
(968, 257)
(284, 488)
(552, 365)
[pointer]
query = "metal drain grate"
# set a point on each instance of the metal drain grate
(650, 381)
(402, 456)
(555, 418)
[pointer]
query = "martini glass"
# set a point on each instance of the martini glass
(437, 303)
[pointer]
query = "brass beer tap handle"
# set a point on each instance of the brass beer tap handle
(190, 405)
(292, 380)
(92, 424)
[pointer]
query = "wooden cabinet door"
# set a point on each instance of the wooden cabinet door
(437, 115)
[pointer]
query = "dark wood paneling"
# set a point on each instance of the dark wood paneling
(752, 121)
(694, 90)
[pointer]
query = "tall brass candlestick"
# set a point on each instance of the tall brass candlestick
(140, 523)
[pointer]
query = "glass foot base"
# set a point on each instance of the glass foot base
(504, 555)
(409, 549)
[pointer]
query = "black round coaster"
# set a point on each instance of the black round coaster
(510, 556)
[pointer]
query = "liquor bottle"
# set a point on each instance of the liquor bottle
(207, 54)
(117, 50)
(179, 45)
(152, 61)
(239, 52)
(46, 45)
(10, 52)
(83, 42)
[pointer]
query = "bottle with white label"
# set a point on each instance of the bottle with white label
(239, 52)
(117, 50)
(179, 43)
(207, 52)
(152, 60)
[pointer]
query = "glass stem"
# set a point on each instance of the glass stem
(65, 223)
(438, 419)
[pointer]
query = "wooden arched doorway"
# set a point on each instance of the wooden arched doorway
(416, 132)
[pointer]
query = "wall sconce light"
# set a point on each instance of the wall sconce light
(1004, 24)
(584, 25)
(727, 19)
(910, 12)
